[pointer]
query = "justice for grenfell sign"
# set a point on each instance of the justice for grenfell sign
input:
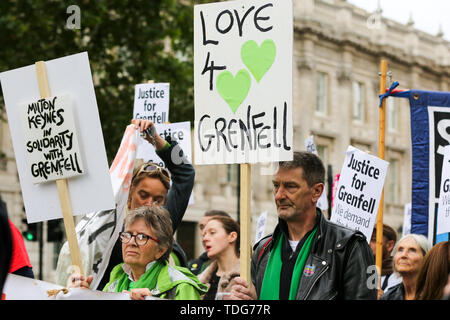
(359, 191)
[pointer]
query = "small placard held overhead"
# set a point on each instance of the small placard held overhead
(51, 138)
(178, 131)
(151, 102)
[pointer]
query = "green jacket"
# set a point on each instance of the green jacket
(172, 282)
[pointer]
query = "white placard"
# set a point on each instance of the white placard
(179, 131)
(22, 288)
(261, 226)
(310, 146)
(151, 102)
(443, 216)
(51, 138)
(406, 229)
(359, 190)
(89, 192)
(243, 81)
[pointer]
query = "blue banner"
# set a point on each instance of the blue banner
(430, 132)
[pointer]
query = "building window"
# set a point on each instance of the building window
(322, 93)
(391, 115)
(358, 101)
(393, 181)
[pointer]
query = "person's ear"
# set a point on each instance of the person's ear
(160, 252)
(232, 237)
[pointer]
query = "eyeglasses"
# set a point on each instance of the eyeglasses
(141, 239)
(151, 167)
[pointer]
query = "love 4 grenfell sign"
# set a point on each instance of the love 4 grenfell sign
(243, 81)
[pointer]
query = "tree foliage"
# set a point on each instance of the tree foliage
(128, 42)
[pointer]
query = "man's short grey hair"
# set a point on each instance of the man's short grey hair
(420, 240)
(158, 220)
(312, 165)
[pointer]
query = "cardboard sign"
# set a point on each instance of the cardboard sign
(406, 229)
(89, 192)
(23, 288)
(151, 102)
(443, 216)
(179, 131)
(261, 226)
(359, 191)
(243, 81)
(51, 138)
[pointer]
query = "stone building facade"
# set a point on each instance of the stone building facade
(337, 52)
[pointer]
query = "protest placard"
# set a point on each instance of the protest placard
(23, 288)
(261, 226)
(151, 102)
(178, 131)
(443, 215)
(406, 229)
(90, 191)
(51, 138)
(359, 190)
(243, 81)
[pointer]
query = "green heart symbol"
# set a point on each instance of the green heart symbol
(233, 89)
(258, 59)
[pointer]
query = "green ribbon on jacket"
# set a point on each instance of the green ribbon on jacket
(270, 289)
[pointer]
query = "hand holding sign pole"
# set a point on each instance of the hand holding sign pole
(245, 221)
(63, 192)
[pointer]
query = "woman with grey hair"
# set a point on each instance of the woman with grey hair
(408, 256)
(147, 241)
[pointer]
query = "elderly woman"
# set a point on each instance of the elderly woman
(408, 256)
(146, 244)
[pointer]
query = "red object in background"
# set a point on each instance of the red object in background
(19, 257)
(334, 188)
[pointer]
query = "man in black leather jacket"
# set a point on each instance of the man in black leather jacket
(336, 260)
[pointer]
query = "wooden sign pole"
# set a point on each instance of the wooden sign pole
(245, 221)
(61, 184)
(381, 148)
